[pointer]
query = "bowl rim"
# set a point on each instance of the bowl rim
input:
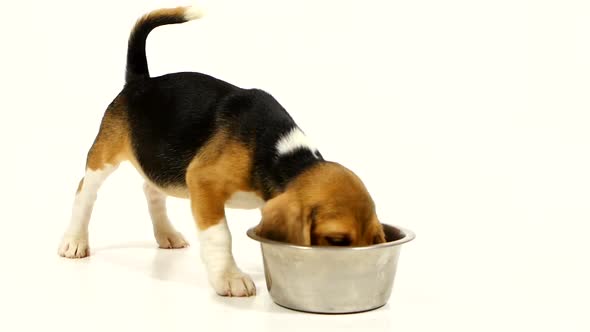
(408, 236)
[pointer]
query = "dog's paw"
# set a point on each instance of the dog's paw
(74, 246)
(234, 283)
(171, 240)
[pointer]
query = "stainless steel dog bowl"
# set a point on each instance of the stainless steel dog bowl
(332, 279)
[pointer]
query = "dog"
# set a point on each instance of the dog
(193, 136)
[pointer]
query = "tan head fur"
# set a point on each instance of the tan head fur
(326, 205)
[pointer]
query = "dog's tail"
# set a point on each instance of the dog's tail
(137, 66)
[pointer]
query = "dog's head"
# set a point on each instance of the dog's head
(326, 205)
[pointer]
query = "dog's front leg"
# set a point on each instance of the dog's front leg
(215, 240)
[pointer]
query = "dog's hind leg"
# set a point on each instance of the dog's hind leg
(75, 240)
(108, 150)
(166, 235)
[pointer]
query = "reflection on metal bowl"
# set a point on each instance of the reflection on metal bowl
(332, 279)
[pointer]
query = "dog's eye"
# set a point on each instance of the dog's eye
(342, 241)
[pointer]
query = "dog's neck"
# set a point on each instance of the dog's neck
(279, 165)
(288, 167)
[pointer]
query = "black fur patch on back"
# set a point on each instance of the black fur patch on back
(173, 116)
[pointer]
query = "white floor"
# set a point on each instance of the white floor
(130, 284)
(446, 282)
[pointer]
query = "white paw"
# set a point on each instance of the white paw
(74, 246)
(171, 240)
(233, 284)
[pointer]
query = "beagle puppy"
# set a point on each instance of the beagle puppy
(193, 136)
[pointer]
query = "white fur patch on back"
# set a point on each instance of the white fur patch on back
(244, 200)
(294, 140)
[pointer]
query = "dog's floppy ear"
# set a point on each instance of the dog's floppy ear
(283, 220)
(378, 235)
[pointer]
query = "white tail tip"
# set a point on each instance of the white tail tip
(193, 13)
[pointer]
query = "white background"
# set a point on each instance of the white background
(467, 120)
